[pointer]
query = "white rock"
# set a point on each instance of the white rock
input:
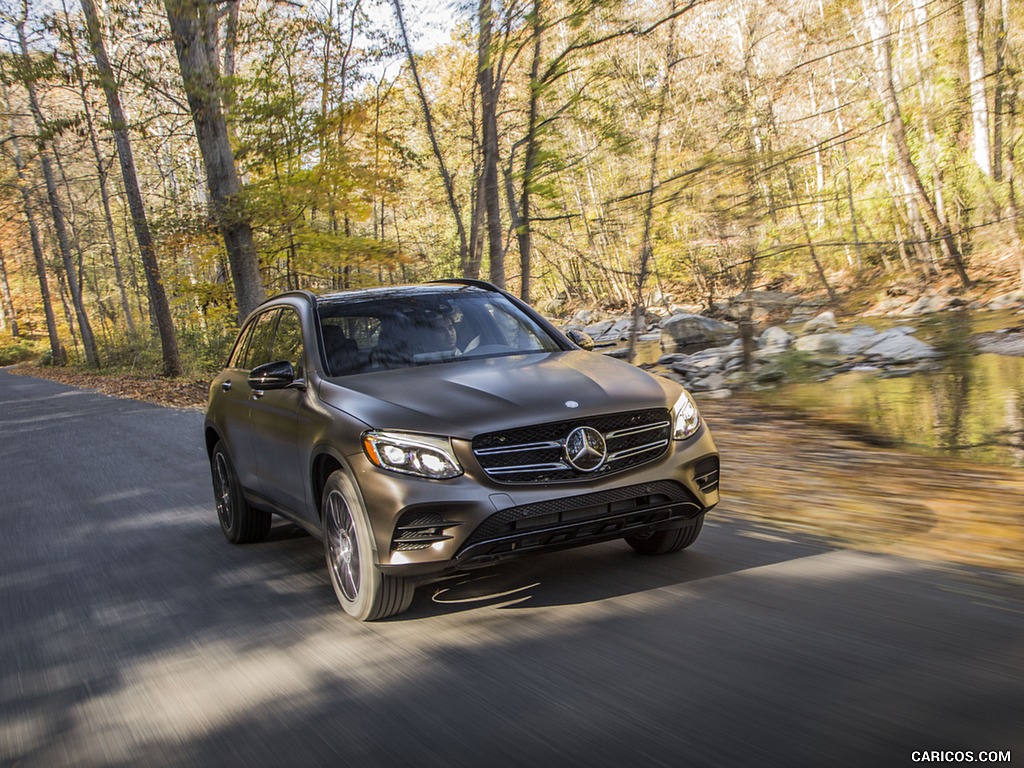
(775, 338)
(681, 331)
(902, 348)
(822, 322)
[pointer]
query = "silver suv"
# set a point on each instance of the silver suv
(420, 430)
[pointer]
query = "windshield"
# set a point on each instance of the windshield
(399, 330)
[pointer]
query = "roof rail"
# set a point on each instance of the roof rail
(469, 281)
(308, 295)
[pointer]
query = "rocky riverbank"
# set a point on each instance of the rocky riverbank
(707, 352)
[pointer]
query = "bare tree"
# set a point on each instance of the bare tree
(57, 353)
(119, 126)
(489, 130)
(878, 26)
(6, 305)
(646, 245)
(1002, 23)
(470, 267)
(974, 27)
(57, 211)
(101, 168)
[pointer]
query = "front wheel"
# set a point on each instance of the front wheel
(665, 542)
(240, 522)
(364, 592)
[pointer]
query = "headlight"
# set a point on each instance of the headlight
(687, 417)
(419, 455)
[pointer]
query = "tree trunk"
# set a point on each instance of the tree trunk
(119, 126)
(646, 246)
(6, 305)
(974, 26)
(489, 128)
(878, 26)
(449, 184)
(999, 103)
(101, 175)
(848, 185)
(807, 235)
(519, 211)
(85, 328)
(1013, 208)
(69, 318)
(926, 79)
(190, 22)
(57, 353)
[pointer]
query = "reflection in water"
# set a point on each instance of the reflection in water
(1015, 426)
(971, 405)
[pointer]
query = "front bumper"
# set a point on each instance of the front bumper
(423, 527)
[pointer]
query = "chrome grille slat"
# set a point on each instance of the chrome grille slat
(634, 430)
(518, 448)
(630, 452)
(528, 468)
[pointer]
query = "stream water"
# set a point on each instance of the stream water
(970, 405)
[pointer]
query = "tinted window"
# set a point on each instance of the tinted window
(288, 341)
(237, 358)
(397, 330)
(258, 350)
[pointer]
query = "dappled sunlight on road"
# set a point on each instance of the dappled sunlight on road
(260, 678)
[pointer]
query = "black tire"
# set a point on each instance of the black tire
(365, 593)
(665, 542)
(240, 522)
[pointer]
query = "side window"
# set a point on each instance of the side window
(237, 359)
(258, 351)
(363, 331)
(288, 341)
(513, 329)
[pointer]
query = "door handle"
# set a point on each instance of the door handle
(226, 386)
(257, 394)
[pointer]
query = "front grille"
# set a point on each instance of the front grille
(536, 454)
(577, 520)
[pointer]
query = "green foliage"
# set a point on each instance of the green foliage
(206, 349)
(773, 139)
(17, 351)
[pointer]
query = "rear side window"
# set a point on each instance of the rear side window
(362, 330)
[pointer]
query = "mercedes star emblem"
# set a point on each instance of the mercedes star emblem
(585, 449)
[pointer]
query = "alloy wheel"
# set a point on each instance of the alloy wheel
(342, 545)
(222, 490)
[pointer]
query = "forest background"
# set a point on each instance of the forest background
(166, 165)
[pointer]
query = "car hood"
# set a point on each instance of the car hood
(464, 398)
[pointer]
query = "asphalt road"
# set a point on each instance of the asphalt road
(133, 634)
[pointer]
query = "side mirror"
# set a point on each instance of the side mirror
(581, 340)
(277, 375)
